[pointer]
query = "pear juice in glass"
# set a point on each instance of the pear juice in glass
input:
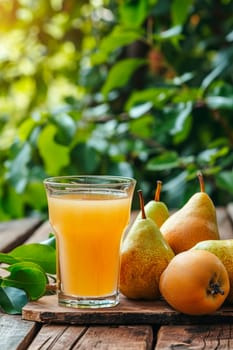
(89, 215)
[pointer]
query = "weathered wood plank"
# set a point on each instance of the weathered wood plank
(62, 337)
(224, 224)
(46, 310)
(195, 337)
(15, 333)
(117, 338)
(229, 208)
(59, 337)
(40, 234)
(15, 232)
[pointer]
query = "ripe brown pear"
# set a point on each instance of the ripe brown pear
(223, 249)
(195, 282)
(196, 221)
(144, 256)
(156, 209)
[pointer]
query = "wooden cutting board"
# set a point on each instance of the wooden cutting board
(46, 310)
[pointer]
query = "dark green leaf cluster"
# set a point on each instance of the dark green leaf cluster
(139, 88)
(25, 274)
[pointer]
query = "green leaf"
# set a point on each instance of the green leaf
(27, 276)
(182, 114)
(221, 88)
(133, 13)
(12, 300)
(13, 203)
(180, 10)
(183, 122)
(66, 127)
(41, 254)
(187, 94)
(171, 33)
(55, 156)
(229, 36)
(140, 110)
(51, 241)
(210, 156)
(220, 102)
(7, 259)
(26, 128)
(35, 195)
(224, 180)
(119, 37)
(82, 154)
(176, 190)
(96, 111)
(157, 96)
(120, 74)
(166, 161)
(142, 127)
(17, 168)
(215, 73)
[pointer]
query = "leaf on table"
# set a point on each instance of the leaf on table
(51, 241)
(27, 276)
(12, 300)
(8, 259)
(41, 254)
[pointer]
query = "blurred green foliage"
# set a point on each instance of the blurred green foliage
(140, 88)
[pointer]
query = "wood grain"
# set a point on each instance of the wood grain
(59, 337)
(116, 338)
(62, 337)
(195, 337)
(229, 209)
(40, 234)
(15, 232)
(15, 333)
(129, 326)
(46, 310)
(224, 224)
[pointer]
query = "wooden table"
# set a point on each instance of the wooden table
(145, 329)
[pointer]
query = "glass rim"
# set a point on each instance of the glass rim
(110, 180)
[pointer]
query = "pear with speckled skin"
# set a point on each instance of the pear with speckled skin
(196, 221)
(144, 256)
(155, 208)
(223, 249)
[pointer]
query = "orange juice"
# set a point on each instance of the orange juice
(89, 227)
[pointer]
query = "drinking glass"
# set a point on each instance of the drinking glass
(89, 215)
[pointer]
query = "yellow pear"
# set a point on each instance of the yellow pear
(223, 249)
(144, 256)
(196, 221)
(155, 209)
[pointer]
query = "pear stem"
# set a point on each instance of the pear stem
(142, 204)
(201, 181)
(158, 191)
